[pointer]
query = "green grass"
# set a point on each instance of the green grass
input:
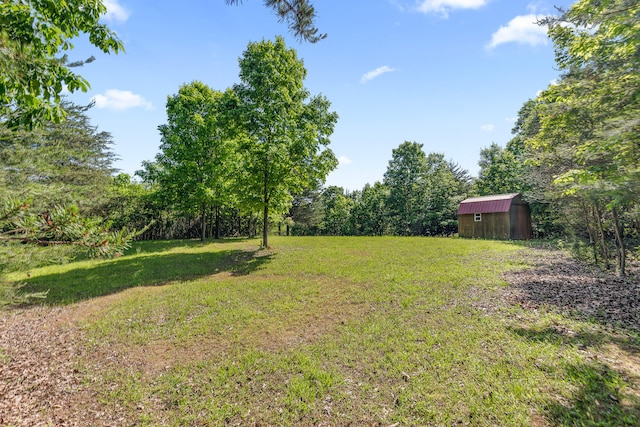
(336, 331)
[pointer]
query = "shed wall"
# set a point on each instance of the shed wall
(493, 226)
(520, 218)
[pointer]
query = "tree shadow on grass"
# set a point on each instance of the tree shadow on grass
(597, 401)
(603, 395)
(141, 270)
(156, 246)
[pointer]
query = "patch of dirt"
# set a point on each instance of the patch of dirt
(40, 384)
(41, 350)
(577, 290)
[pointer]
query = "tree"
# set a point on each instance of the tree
(53, 182)
(63, 164)
(196, 161)
(130, 204)
(284, 132)
(369, 213)
(441, 195)
(35, 36)
(299, 15)
(589, 121)
(306, 212)
(337, 211)
(463, 179)
(405, 180)
(501, 171)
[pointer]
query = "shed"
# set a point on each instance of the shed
(502, 216)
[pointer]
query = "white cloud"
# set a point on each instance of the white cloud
(511, 119)
(115, 11)
(487, 128)
(376, 73)
(344, 160)
(521, 29)
(121, 100)
(442, 7)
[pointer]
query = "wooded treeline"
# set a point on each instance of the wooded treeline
(253, 157)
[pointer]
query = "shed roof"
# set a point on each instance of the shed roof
(487, 204)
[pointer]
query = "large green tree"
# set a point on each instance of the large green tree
(306, 212)
(501, 171)
(369, 213)
(59, 164)
(283, 131)
(442, 190)
(337, 211)
(197, 160)
(53, 182)
(68, 163)
(405, 180)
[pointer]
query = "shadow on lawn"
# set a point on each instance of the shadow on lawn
(597, 399)
(157, 246)
(143, 270)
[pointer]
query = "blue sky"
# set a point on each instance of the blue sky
(449, 74)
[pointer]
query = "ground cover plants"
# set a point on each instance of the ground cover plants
(316, 331)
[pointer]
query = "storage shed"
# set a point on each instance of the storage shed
(503, 216)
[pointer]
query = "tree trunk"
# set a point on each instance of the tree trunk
(217, 222)
(620, 247)
(592, 240)
(265, 219)
(265, 227)
(603, 241)
(203, 234)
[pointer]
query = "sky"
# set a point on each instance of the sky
(448, 74)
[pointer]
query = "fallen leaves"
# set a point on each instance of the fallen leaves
(576, 290)
(40, 384)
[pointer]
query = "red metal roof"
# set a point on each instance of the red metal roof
(487, 204)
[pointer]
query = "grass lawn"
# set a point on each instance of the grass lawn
(335, 331)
